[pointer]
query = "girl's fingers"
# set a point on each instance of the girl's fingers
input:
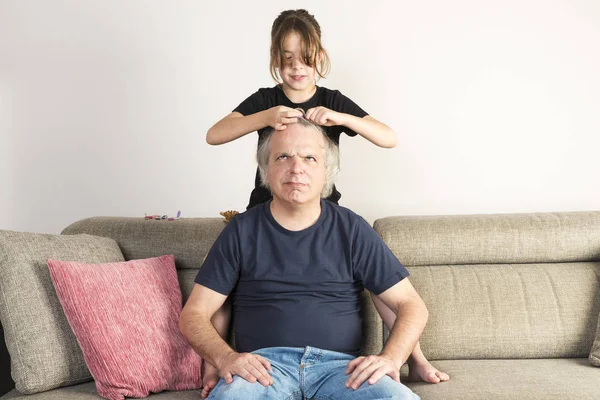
(286, 121)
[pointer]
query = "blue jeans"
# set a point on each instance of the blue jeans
(308, 373)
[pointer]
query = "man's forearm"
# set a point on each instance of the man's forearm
(405, 334)
(204, 338)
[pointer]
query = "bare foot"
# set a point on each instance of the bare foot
(210, 378)
(426, 372)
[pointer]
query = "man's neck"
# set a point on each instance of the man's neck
(295, 217)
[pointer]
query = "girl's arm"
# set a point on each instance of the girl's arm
(374, 131)
(236, 125)
(368, 127)
(386, 313)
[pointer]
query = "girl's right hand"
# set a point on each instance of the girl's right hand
(279, 117)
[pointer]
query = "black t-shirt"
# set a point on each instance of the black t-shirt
(266, 98)
(299, 288)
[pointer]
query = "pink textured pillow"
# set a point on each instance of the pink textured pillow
(125, 317)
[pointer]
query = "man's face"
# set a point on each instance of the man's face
(296, 169)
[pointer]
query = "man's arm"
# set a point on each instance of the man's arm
(403, 299)
(196, 326)
(412, 315)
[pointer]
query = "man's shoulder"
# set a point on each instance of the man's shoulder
(341, 213)
(250, 216)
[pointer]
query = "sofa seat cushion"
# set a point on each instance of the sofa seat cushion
(87, 391)
(527, 379)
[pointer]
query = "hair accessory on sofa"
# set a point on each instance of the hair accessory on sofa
(163, 216)
(229, 214)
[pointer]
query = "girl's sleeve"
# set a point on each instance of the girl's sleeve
(340, 103)
(253, 104)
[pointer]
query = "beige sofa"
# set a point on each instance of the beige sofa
(513, 299)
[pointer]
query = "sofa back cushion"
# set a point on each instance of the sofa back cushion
(43, 350)
(503, 286)
(493, 239)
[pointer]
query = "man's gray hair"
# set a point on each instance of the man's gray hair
(332, 157)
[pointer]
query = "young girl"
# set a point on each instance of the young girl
(297, 58)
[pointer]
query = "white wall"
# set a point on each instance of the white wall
(104, 105)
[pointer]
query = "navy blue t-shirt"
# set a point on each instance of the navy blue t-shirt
(299, 288)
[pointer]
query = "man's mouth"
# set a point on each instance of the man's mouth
(295, 184)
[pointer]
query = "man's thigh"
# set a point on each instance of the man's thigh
(284, 364)
(241, 389)
(385, 388)
(328, 379)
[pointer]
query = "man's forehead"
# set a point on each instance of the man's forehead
(302, 148)
(297, 132)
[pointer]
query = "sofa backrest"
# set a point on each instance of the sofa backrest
(189, 240)
(503, 286)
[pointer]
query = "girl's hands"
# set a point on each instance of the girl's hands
(324, 116)
(279, 117)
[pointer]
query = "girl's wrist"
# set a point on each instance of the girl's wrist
(345, 119)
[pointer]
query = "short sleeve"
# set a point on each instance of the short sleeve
(221, 269)
(340, 103)
(253, 104)
(373, 262)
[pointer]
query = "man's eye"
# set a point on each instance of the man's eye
(310, 158)
(282, 157)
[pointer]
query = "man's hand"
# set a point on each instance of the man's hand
(372, 368)
(324, 116)
(279, 117)
(251, 367)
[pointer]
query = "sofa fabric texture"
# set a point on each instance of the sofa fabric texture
(125, 316)
(503, 286)
(44, 352)
(493, 239)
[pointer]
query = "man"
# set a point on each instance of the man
(295, 267)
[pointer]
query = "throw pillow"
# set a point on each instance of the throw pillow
(43, 350)
(595, 353)
(125, 316)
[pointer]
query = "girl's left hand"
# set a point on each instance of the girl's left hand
(324, 116)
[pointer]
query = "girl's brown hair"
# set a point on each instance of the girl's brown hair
(307, 27)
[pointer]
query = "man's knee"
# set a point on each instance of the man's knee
(386, 388)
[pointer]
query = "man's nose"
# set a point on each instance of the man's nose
(297, 166)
